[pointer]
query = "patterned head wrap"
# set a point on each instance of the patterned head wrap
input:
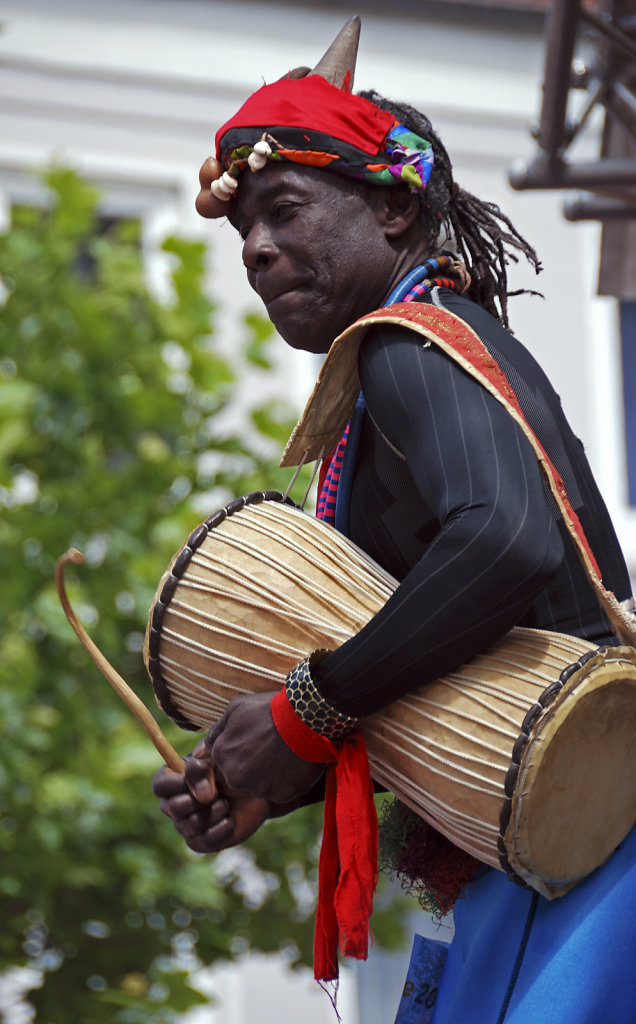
(310, 122)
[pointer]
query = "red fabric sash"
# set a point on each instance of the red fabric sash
(348, 866)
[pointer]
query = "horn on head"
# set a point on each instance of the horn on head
(301, 72)
(338, 65)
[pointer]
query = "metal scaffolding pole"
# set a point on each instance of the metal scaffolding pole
(611, 83)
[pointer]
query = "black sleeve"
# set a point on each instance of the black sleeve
(497, 544)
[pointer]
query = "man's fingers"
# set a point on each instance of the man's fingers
(184, 805)
(201, 821)
(179, 806)
(199, 775)
(198, 780)
(214, 838)
(167, 782)
(191, 819)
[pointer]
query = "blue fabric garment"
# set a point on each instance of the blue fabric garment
(579, 965)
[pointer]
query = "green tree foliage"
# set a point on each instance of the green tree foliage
(108, 399)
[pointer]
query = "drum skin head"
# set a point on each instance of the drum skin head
(575, 798)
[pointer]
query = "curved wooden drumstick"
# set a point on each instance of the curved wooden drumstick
(121, 687)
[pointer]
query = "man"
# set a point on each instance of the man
(345, 204)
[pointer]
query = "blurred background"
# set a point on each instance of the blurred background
(140, 388)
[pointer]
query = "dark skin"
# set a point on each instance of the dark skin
(207, 820)
(320, 251)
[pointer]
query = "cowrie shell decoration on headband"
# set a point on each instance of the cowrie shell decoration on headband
(223, 188)
(258, 157)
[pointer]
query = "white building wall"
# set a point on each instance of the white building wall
(130, 93)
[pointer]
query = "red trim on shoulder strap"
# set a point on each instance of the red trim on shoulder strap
(461, 342)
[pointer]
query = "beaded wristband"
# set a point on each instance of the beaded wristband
(310, 706)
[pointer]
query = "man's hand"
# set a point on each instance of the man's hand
(250, 756)
(208, 822)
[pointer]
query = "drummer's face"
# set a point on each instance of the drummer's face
(315, 251)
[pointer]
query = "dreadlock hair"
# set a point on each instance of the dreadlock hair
(485, 238)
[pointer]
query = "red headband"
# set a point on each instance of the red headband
(312, 102)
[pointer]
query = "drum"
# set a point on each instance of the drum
(522, 757)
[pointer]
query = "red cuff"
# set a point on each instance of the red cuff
(299, 737)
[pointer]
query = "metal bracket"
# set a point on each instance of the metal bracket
(606, 34)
